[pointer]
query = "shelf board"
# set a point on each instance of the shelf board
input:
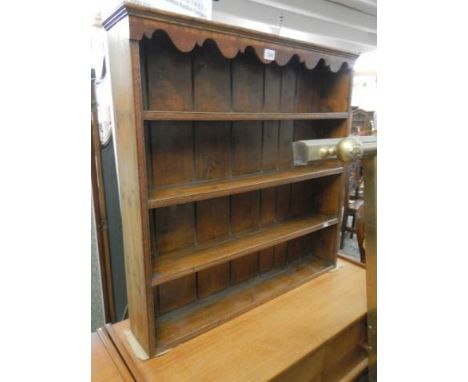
(187, 322)
(176, 264)
(214, 189)
(153, 115)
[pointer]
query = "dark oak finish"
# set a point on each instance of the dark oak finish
(206, 190)
(126, 91)
(216, 217)
(176, 264)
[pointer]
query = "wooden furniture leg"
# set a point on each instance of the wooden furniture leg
(370, 195)
(360, 232)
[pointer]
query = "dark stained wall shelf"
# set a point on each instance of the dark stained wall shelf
(214, 189)
(174, 265)
(215, 216)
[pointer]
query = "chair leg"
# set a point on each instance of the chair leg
(353, 225)
(360, 233)
(343, 228)
(342, 239)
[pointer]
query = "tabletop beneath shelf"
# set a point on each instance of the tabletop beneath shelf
(266, 340)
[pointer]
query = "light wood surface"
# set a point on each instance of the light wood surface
(106, 364)
(267, 342)
(214, 189)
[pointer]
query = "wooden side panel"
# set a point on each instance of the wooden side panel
(212, 79)
(126, 92)
(169, 75)
(172, 153)
(212, 224)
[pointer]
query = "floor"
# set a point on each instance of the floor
(350, 246)
(97, 306)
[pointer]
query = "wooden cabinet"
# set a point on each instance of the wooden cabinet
(216, 218)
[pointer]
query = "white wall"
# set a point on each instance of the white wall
(365, 82)
(343, 24)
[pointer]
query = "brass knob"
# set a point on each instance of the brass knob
(325, 151)
(349, 149)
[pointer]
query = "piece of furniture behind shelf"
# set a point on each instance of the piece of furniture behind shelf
(362, 122)
(216, 218)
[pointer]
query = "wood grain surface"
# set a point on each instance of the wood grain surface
(212, 204)
(177, 264)
(106, 363)
(213, 189)
(270, 341)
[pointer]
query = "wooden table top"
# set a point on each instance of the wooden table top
(260, 344)
(106, 363)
